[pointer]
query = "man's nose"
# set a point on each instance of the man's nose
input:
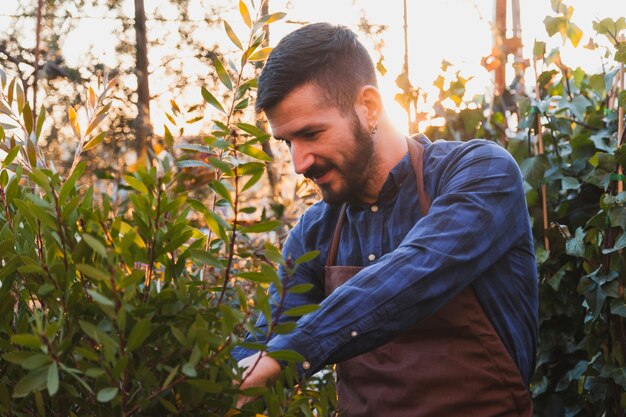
(302, 158)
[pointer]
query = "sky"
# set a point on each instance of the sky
(458, 31)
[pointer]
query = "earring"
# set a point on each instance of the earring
(374, 129)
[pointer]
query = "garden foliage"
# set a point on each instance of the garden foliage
(581, 368)
(129, 304)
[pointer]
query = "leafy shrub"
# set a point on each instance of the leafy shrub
(131, 305)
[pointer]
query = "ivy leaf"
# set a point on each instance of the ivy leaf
(534, 168)
(576, 245)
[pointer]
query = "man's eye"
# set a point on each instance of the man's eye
(310, 135)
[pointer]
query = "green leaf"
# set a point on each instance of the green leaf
(26, 340)
(301, 310)
(92, 272)
(209, 98)
(576, 245)
(254, 152)
(53, 379)
(258, 277)
(136, 184)
(41, 117)
(307, 257)
(95, 141)
(253, 130)
(95, 244)
(138, 335)
(193, 163)
(262, 227)
(206, 257)
(168, 405)
(534, 168)
(33, 381)
(68, 185)
(222, 191)
(11, 155)
(18, 356)
(222, 74)
(620, 54)
(189, 370)
(170, 377)
(107, 394)
(100, 299)
(300, 288)
(286, 355)
(167, 136)
(205, 385)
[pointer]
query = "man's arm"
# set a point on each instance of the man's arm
(473, 222)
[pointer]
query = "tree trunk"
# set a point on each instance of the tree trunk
(143, 126)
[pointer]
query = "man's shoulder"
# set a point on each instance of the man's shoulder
(447, 153)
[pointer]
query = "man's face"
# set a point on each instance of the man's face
(329, 147)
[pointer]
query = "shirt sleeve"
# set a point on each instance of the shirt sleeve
(474, 220)
(306, 273)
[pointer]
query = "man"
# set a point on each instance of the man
(426, 277)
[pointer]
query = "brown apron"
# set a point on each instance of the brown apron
(450, 364)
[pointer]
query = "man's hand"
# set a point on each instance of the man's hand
(259, 368)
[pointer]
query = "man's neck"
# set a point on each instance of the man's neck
(389, 147)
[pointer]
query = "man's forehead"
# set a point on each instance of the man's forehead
(305, 105)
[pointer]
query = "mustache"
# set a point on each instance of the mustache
(317, 171)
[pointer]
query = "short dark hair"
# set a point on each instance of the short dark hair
(327, 55)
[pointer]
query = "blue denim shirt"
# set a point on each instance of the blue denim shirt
(477, 233)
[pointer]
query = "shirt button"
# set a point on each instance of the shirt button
(374, 208)
(371, 257)
(306, 365)
(354, 333)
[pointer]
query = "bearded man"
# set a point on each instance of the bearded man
(426, 279)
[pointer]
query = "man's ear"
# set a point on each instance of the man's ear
(368, 105)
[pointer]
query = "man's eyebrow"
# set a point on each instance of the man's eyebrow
(303, 130)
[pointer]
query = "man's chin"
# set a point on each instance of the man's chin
(337, 197)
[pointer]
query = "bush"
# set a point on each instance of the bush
(131, 305)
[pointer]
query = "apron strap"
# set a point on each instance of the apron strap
(334, 245)
(416, 152)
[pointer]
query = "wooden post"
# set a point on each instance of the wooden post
(499, 38)
(544, 190)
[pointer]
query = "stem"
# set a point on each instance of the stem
(231, 249)
(152, 252)
(5, 206)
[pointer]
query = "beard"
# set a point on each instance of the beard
(354, 173)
